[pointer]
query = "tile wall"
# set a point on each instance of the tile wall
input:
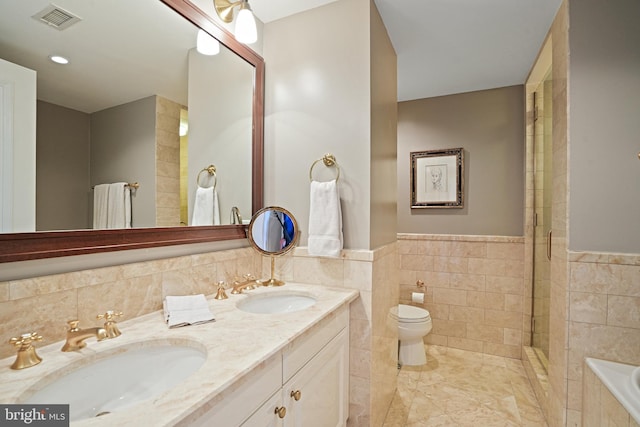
(601, 407)
(167, 163)
(373, 345)
(44, 304)
(474, 290)
(604, 317)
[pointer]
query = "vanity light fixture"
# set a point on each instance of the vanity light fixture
(245, 30)
(59, 59)
(207, 45)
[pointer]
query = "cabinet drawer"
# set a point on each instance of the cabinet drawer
(305, 347)
(246, 395)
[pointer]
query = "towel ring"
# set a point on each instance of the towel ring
(211, 171)
(328, 160)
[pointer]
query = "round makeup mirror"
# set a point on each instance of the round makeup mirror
(273, 231)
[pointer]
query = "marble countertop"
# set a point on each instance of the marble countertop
(236, 343)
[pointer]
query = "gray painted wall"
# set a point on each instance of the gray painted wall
(123, 149)
(604, 126)
(317, 101)
(63, 196)
(220, 125)
(489, 125)
(384, 134)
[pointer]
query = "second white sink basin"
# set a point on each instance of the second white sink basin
(277, 302)
(121, 380)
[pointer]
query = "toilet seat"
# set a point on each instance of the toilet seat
(409, 314)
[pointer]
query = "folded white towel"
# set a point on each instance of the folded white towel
(186, 310)
(100, 204)
(206, 209)
(325, 220)
(119, 206)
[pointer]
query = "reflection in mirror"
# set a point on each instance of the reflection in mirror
(136, 103)
(273, 231)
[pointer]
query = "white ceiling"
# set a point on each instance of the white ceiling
(443, 46)
(451, 46)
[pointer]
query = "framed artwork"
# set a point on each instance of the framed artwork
(437, 178)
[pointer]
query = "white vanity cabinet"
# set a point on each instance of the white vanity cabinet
(305, 385)
(318, 395)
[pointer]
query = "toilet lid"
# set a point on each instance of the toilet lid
(409, 313)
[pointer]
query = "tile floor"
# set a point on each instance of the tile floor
(463, 388)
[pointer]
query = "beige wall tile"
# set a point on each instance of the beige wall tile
(471, 282)
(466, 314)
(449, 328)
(504, 319)
(321, 271)
(44, 314)
(588, 307)
(612, 412)
(485, 333)
(491, 300)
(623, 311)
(416, 262)
(506, 285)
(358, 275)
(450, 296)
(450, 264)
(465, 344)
(505, 251)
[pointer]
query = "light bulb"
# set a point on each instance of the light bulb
(59, 59)
(246, 31)
(207, 45)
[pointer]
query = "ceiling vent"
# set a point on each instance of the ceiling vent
(56, 17)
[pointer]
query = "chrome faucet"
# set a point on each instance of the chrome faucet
(235, 215)
(77, 336)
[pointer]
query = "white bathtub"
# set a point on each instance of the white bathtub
(617, 377)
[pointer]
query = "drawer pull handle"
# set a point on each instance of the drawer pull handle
(296, 395)
(281, 411)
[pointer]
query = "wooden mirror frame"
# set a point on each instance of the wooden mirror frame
(51, 244)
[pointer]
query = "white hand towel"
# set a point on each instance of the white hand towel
(206, 209)
(119, 206)
(325, 220)
(216, 208)
(186, 310)
(100, 203)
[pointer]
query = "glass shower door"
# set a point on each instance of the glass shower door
(542, 221)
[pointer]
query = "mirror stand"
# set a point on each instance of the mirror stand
(271, 281)
(273, 231)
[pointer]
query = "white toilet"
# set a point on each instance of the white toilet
(413, 324)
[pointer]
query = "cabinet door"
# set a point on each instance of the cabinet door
(266, 415)
(321, 388)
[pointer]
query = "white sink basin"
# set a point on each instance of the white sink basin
(121, 380)
(277, 302)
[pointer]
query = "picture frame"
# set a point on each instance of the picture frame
(437, 178)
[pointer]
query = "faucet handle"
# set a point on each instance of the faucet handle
(221, 294)
(73, 325)
(110, 325)
(27, 356)
(25, 340)
(109, 315)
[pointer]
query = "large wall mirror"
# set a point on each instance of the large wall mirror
(137, 103)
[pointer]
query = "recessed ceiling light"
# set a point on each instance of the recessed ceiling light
(59, 59)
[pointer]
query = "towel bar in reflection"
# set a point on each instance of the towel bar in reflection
(132, 185)
(329, 160)
(211, 172)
